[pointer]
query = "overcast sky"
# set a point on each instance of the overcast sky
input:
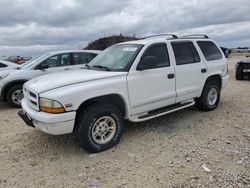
(32, 27)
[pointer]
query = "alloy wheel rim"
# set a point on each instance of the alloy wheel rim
(104, 130)
(212, 96)
(17, 96)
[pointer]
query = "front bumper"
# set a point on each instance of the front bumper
(54, 124)
(225, 81)
(25, 118)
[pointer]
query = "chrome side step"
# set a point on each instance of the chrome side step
(163, 111)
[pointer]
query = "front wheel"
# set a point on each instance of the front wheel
(14, 96)
(210, 96)
(99, 127)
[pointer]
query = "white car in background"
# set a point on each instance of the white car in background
(7, 65)
(12, 80)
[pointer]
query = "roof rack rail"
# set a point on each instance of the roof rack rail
(195, 36)
(159, 35)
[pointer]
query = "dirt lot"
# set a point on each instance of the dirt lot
(164, 152)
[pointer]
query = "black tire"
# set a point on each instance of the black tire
(85, 123)
(10, 93)
(239, 72)
(203, 101)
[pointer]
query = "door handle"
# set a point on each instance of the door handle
(203, 70)
(171, 76)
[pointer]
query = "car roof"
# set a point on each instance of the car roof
(74, 51)
(162, 39)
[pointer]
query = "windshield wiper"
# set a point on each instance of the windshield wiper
(102, 67)
(86, 66)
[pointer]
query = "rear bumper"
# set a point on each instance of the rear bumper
(54, 124)
(225, 81)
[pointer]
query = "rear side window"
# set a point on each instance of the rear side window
(160, 52)
(185, 53)
(210, 50)
(2, 65)
(83, 58)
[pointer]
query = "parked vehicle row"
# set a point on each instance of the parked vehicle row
(13, 78)
(135, 81)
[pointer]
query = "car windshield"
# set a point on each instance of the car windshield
(32, 61)
(116, 58)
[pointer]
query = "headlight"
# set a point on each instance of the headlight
(3, 76)
(50, 106)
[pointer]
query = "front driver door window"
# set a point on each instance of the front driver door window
(52, 61)
(57, 63)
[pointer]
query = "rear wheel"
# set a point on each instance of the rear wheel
(210, 96)
(14, 96)
(239, 72)
(99, 127)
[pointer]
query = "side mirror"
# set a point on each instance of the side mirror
(43, 66)
(147, 62)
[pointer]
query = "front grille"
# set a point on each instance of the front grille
(32, 94)
(31, 98)
(34, 103)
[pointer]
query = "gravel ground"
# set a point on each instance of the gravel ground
(188, 148)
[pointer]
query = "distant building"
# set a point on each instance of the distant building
(243, 50)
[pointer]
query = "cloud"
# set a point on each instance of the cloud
(33, 27)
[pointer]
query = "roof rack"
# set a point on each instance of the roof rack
(159, 35)
(195, 36)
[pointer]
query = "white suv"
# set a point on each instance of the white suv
(12, 80)
(135, 81)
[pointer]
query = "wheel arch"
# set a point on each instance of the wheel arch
(216, 77)
(115, 99)
(10, 85)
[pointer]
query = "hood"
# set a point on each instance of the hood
(246, 60)
(8, 68)
(57, 80)
(7, 71)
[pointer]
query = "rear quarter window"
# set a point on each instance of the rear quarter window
(210, 50)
